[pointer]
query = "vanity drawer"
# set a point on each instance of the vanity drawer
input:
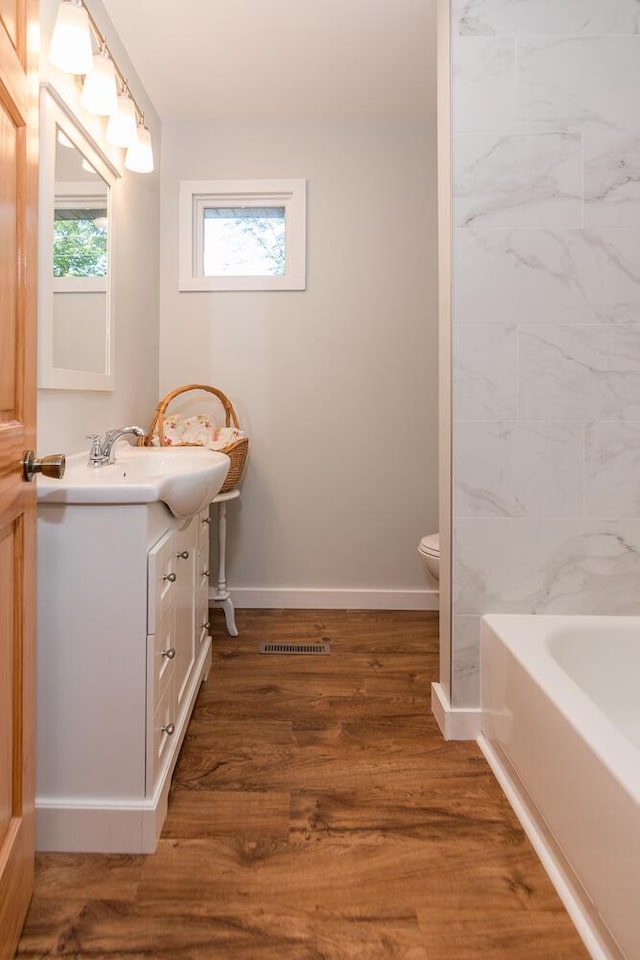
(204, 524)
(202, 583)
(204, 631)
(161, 654)
(202, 562)
(160, 736)
(203, 580)
(162, 579)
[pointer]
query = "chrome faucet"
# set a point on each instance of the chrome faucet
(101, 453)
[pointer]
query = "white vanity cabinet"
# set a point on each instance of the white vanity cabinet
(123, 646)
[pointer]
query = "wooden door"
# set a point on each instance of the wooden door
(18, 206)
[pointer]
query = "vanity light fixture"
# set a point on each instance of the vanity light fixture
(139, 156)
(105, 91)
(100, 91)
(71, 48)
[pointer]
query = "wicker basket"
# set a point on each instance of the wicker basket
(236, 451)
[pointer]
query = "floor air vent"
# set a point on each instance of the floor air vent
(296, 648)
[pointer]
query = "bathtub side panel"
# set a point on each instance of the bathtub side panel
(593, 820)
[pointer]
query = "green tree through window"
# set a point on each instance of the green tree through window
(80, 243)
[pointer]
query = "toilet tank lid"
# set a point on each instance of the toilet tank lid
(431, 544)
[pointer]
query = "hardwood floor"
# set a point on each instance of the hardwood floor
(315, 813)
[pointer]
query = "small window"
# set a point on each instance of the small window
(242, 235)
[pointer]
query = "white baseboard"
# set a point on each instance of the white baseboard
(595, 936)
(303, 599)
(70, 826)
(455, 723)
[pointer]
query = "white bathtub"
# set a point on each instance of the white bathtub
(561, 730)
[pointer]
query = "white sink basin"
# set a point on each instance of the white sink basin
(185, 478)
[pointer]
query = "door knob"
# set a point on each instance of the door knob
(52, 466)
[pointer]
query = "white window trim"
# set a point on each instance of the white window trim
(79, 284)
(290, 194)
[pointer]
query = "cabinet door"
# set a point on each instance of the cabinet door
(185, 643)
(161, 729)
(163, 578)
(161, 697)
(202, 577)
(161, 654)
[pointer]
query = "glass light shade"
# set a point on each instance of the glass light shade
(139, 156)
(70, 48)
(100, 91)
(123, 124)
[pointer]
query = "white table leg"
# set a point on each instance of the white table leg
(222, 595)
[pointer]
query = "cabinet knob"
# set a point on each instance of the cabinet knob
(171, 577)
(183, 555)
(205, 626)
(206, 573)
(206, 519)
(169, 654)
(168, 728)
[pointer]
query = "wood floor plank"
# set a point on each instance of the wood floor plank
(464, 805)
(374, 872)
(72, 875)
(315, 812)
(202, 931)
(311, 767)
(234, 753)
(235, 704)
(485, 932)
(51, 923)
(223, 812)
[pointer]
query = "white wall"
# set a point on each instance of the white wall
(336, 385)
(546, 314)
(65, 417)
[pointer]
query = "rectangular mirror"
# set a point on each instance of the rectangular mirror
(76, 241)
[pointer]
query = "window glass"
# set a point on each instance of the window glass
(244, 242)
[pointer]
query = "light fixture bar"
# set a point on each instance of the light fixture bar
(122, 85)
(102, 44)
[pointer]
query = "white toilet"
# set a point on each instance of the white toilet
(429, 553)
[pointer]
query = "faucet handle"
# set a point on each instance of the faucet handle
(95, 453)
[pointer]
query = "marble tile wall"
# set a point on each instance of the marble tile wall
(546, 437)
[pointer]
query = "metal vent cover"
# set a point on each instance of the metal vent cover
(322, 649)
